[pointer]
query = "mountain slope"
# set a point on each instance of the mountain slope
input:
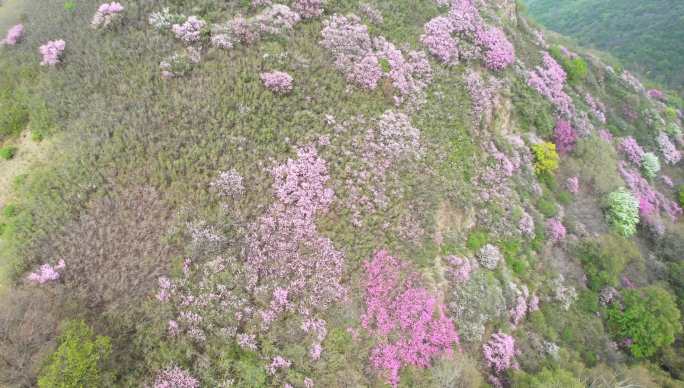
(334, 194)
(648, 36)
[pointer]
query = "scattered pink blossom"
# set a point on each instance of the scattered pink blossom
(14, 35)
(605, 135)
(572, 184)
(175, 377)
(565, 137)
(106, 13)
(366, 73)
(308, 8)
(656, 94)
(459, 268)
(277, 363)
(47, 273)
(549, 80)
(555, 229)
(499, 352)
(526, 225)
(650, 200)
(670, 152)
(632, 149)
(190, 31)
(277, 81)
(52, 51)
(247, 341)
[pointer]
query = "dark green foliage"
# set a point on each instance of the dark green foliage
(8, 152)
(476, 240)
(547, 207)
(680, 195)
(547, 378)
(79, 360)
(650, 319)
(604, 259)
(647, 35)
(575, 68)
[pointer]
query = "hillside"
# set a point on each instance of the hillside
(341, 193)
(647, 36)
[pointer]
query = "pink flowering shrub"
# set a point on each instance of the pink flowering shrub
(464, 26)
(572, 184)
(632, 149)
(355, 54)
(46, 273)
(278, 82)
(277, 363)
(669, 151)
(308, 8)
(548, 80)
(105, 14)
(499, 352)
(189, 31)
(605, 135)
(437, 38)
(175, 377)
(366, 73)
(656, 94)
(482, 94)
(555, 230)
(564, 136)
(52, 52)
(228, 184)
(13, 36)
(498, 51)
(285, 250)
(459, 268)
(408, 323)
(651, 202)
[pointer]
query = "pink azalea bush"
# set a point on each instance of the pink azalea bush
(14, 35)
(651, 202)
(498, 51)
(459, 268)
(632, 149)
(175, 377)
(565, 137)
(52, 52)
(548, 80)
(605, 135)
(555, 230)
(408, 322)
(356, 55)
(669, 151)
(106, 13)
(286, 254)
(278, 82)
(464, 26)
(46, 273)
(656, 94)
(308, 8)
(190, 30)
(499, 352)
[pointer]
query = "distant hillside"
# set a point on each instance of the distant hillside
(647, 36)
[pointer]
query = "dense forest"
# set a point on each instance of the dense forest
(647, 36)
(339, 193)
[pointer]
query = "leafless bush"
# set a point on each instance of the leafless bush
(115, 251)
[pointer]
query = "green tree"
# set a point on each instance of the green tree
(78, 360)
(547, 378)
(649, 319)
